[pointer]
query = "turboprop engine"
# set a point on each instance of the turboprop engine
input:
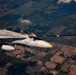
(7, 47)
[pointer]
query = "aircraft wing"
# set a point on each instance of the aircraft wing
(10, 34)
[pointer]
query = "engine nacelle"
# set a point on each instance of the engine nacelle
(7, 47)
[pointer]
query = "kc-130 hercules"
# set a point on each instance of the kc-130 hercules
(20, 36)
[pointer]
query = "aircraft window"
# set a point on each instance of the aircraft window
(17, 29)
(10, 28)
(35, 38)
(24, 32)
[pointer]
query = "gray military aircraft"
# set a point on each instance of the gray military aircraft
(16, 35)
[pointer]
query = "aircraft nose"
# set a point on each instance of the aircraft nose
(46, 44)
(50, 45)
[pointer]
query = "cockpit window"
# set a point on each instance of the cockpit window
(14, 29)
(17, 29)
(24, 32)
(10, 28)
